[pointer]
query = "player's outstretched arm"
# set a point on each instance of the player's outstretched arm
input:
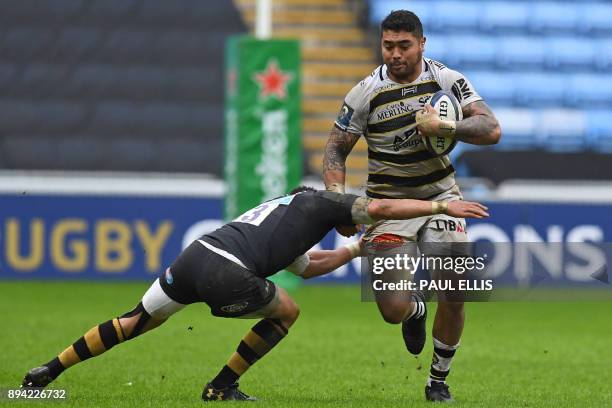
(337, 149)
(323, 261)
(383, 209)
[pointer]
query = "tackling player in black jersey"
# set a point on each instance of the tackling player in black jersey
(227, 269)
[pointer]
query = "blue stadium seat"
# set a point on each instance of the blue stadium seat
(104, 12)
(381, 8)
(180, 45)
(45, 12)
(115, 117)
(29, 152)
(516, 52)
(34, 116)
(600, 130)
(492, 86)
(133, 153)
(76, 43)
(504, 15)
(519, 127)
(588, 90)
(437, 48)
(55, 116)
(563, 130)
(17, 116)
(538, 89)
(156, 11)
(44, 80)
(78, 151)
(153, 118)
(471, 51)
(127, 45)
(8, 73)
(190, 153)
(25, 43)
(571, 53)
(92, 81)
(449, 15)
(193, 83)
(554, 16)
(604, 53)
(132, 82)
(596, 18)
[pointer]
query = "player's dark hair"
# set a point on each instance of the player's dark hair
(403, 20)
(301, 189)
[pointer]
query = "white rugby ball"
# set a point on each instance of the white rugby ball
(448, 108)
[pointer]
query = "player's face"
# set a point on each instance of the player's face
(402, 53)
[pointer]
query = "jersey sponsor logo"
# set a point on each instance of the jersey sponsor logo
(461, 89)
(409, 90)
(235, 307)
(406, 140)
(394, 110)
(392, 125)
(424, 99)
(344, 116)
(449, 225)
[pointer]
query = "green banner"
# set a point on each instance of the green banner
(263, 149)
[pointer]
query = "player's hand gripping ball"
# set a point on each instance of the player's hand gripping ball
(436, 122)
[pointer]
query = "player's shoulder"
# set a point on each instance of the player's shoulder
(438, 70)
(370, 83)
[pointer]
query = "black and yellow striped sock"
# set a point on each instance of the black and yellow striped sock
(266, 334)
(95, 342)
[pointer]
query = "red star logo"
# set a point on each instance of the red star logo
(272, 81)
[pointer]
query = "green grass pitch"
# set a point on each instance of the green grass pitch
(339, 353)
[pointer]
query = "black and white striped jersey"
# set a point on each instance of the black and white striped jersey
(384, 112)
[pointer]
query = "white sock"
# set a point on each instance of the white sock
(442, 357)
(418, 309)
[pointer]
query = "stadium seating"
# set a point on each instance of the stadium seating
(544, 66)
(600, 130)
(498, 16)
(103, 76)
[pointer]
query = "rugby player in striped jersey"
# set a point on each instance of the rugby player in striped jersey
(389, 109)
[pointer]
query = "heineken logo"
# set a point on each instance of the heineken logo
(273, 164)
(272, 81)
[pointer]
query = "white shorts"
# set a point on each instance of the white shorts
(158, 304)
(431, 228)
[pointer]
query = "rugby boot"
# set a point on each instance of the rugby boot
(438, 392)
(231, 393)
(38, 377)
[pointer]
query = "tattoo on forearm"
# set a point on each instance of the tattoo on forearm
(479, 122)
(338, 147)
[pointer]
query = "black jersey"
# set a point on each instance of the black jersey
(272, 235)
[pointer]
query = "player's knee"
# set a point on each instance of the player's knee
(394, 313)
(292, 312)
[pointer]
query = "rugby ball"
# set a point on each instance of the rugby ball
(448, 108)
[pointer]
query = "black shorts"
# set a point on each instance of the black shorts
(201, 275)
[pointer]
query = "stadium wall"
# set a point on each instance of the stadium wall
(128, 227)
